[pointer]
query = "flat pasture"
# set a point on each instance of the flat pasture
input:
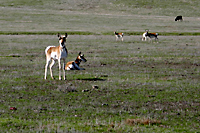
(129, 86)
(135, 80)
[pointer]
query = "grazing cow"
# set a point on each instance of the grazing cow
(54, 53)
(179, 18)
(119, 35)
(146, 35)
(74, 65)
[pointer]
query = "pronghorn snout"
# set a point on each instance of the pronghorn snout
(82, 58)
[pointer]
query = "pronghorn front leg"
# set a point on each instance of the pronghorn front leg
(59, 64)
(156, 39)
(63, 69)
(116, 38)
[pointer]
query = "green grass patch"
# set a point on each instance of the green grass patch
(46, 33)
(90, 33)
(132, 80)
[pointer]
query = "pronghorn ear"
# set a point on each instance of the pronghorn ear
(79, 53)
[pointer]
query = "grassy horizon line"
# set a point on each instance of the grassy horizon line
(92, 33)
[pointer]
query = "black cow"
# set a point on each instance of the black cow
(179, 18)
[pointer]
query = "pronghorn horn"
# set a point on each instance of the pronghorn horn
(66, 35)
(79, 53)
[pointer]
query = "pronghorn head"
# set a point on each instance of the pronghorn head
(62, 39)
(115, 32)
(81, 57)
(147, 30)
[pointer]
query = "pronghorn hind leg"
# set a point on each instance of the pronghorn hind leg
(151, 40)
(50, 67)
(46, 66)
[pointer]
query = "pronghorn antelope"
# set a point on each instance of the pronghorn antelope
(54, 53)
(146, 35)
(74, 65)
(119, 35)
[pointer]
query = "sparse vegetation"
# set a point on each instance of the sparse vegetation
(129, 86)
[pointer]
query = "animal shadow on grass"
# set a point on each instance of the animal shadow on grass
(92, 79)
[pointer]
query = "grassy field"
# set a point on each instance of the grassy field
(141, 86)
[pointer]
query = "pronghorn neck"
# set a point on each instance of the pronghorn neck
(77, 61)
(62, 40)
(62, 44)
(64, 47)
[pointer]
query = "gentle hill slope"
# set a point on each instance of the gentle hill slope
(94, 17)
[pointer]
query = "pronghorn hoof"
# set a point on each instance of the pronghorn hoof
(86, 90)
(95, 87)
